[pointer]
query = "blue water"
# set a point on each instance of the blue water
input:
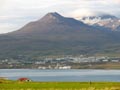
(62, 75)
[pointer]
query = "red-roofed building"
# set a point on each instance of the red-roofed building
(24, 79)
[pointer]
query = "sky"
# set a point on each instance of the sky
(14, 14)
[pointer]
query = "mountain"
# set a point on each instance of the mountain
(106, 21)
(51, 23)
(57, 35)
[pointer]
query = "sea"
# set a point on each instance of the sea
(70, 75)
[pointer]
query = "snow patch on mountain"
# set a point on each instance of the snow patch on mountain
(107, 21)
(95, 19)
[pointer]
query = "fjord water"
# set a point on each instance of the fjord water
(62, 75)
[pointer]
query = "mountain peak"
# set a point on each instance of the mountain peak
(52, 16)
(52, 22)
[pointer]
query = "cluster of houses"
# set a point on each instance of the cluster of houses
(79, 59)
(63, 62)
(67, 62)
(55, 67)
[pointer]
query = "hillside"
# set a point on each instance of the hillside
(57, 35)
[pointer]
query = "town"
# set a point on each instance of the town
(64, 62)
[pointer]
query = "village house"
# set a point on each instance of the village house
(24, 79)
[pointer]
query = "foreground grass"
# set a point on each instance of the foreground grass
(59, 85)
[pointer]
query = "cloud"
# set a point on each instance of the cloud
(93, 7)
(2, 2)
(7, 27)
(81, 12)
(117, 1)
(15, 13)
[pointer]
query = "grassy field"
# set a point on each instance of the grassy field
(13, 85)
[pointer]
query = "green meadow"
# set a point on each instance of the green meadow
(14, 85)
